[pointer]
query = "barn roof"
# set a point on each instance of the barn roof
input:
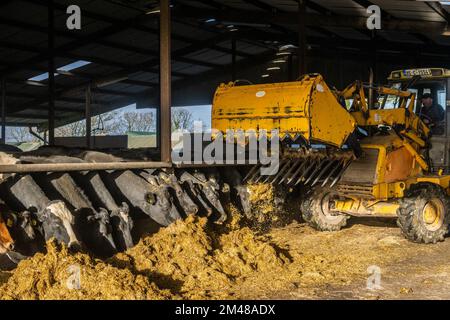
(119, 39)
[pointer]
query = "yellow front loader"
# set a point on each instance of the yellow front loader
(351, 156)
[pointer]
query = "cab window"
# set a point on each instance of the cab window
(437, 91)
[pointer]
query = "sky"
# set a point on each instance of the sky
(71, 66)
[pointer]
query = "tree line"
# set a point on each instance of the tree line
(111, 123)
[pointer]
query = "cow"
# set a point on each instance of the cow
(234, 179)
(187, 205)
(183, 197)
(149, 195)
(6, 241)
(58, 222)
(95, 231)
(121, 221)
(122, 225)
(45, 151)
(27, 158)
(194, 188)
(95, 156)
(91, 226)
(207, 192)
(9, 148)
(56, 218)
(25, 230)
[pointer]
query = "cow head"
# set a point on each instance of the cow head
(125, 224)
(162, 199)
(25, 231)
(244, 196)
(158, 194)
(58, 222)
(101, 217)
(27, 223)
(211, 190)
(186, 202)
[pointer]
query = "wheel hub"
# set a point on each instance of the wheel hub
(327, 209)
(430, 213)
(433, 214)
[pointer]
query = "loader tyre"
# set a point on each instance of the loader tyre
(316, 212)
(423, 213)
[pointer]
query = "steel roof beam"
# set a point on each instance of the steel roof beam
(439, 9)
(316, 20)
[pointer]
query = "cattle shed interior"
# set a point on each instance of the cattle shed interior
(120, 55)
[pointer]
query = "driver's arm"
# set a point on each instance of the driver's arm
(441, 113)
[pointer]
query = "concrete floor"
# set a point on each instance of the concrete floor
(340, 263)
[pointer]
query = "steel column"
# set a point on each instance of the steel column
(290, 68)
(302, 37)
(88, 116)
(165, 81)
(233, 59)
(51, 73)
(3, 112)
(374, 55)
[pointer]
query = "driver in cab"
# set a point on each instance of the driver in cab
(432, 113)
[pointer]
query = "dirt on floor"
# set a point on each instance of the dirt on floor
(195, 259)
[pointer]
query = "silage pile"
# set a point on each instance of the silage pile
(61, 275)
(196, 262)
(185, 260)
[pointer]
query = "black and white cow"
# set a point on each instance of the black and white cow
(238, 190)
(207, 191)
(91, 226)
(25, 229)
(185, 202)
(153, 198)
(120, 218)
(57, 220)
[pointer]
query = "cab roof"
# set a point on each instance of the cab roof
(424, 73)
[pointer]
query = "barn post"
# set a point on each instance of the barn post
(88, 116)
(51, 73)
(290, 68)
(3, 85)
(301, 37)
(233, 58)
(165, 81)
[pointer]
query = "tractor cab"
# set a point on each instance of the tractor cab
(431, 83)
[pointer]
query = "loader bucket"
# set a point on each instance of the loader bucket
(305, 110)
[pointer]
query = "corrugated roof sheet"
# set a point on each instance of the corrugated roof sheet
(121, 39)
